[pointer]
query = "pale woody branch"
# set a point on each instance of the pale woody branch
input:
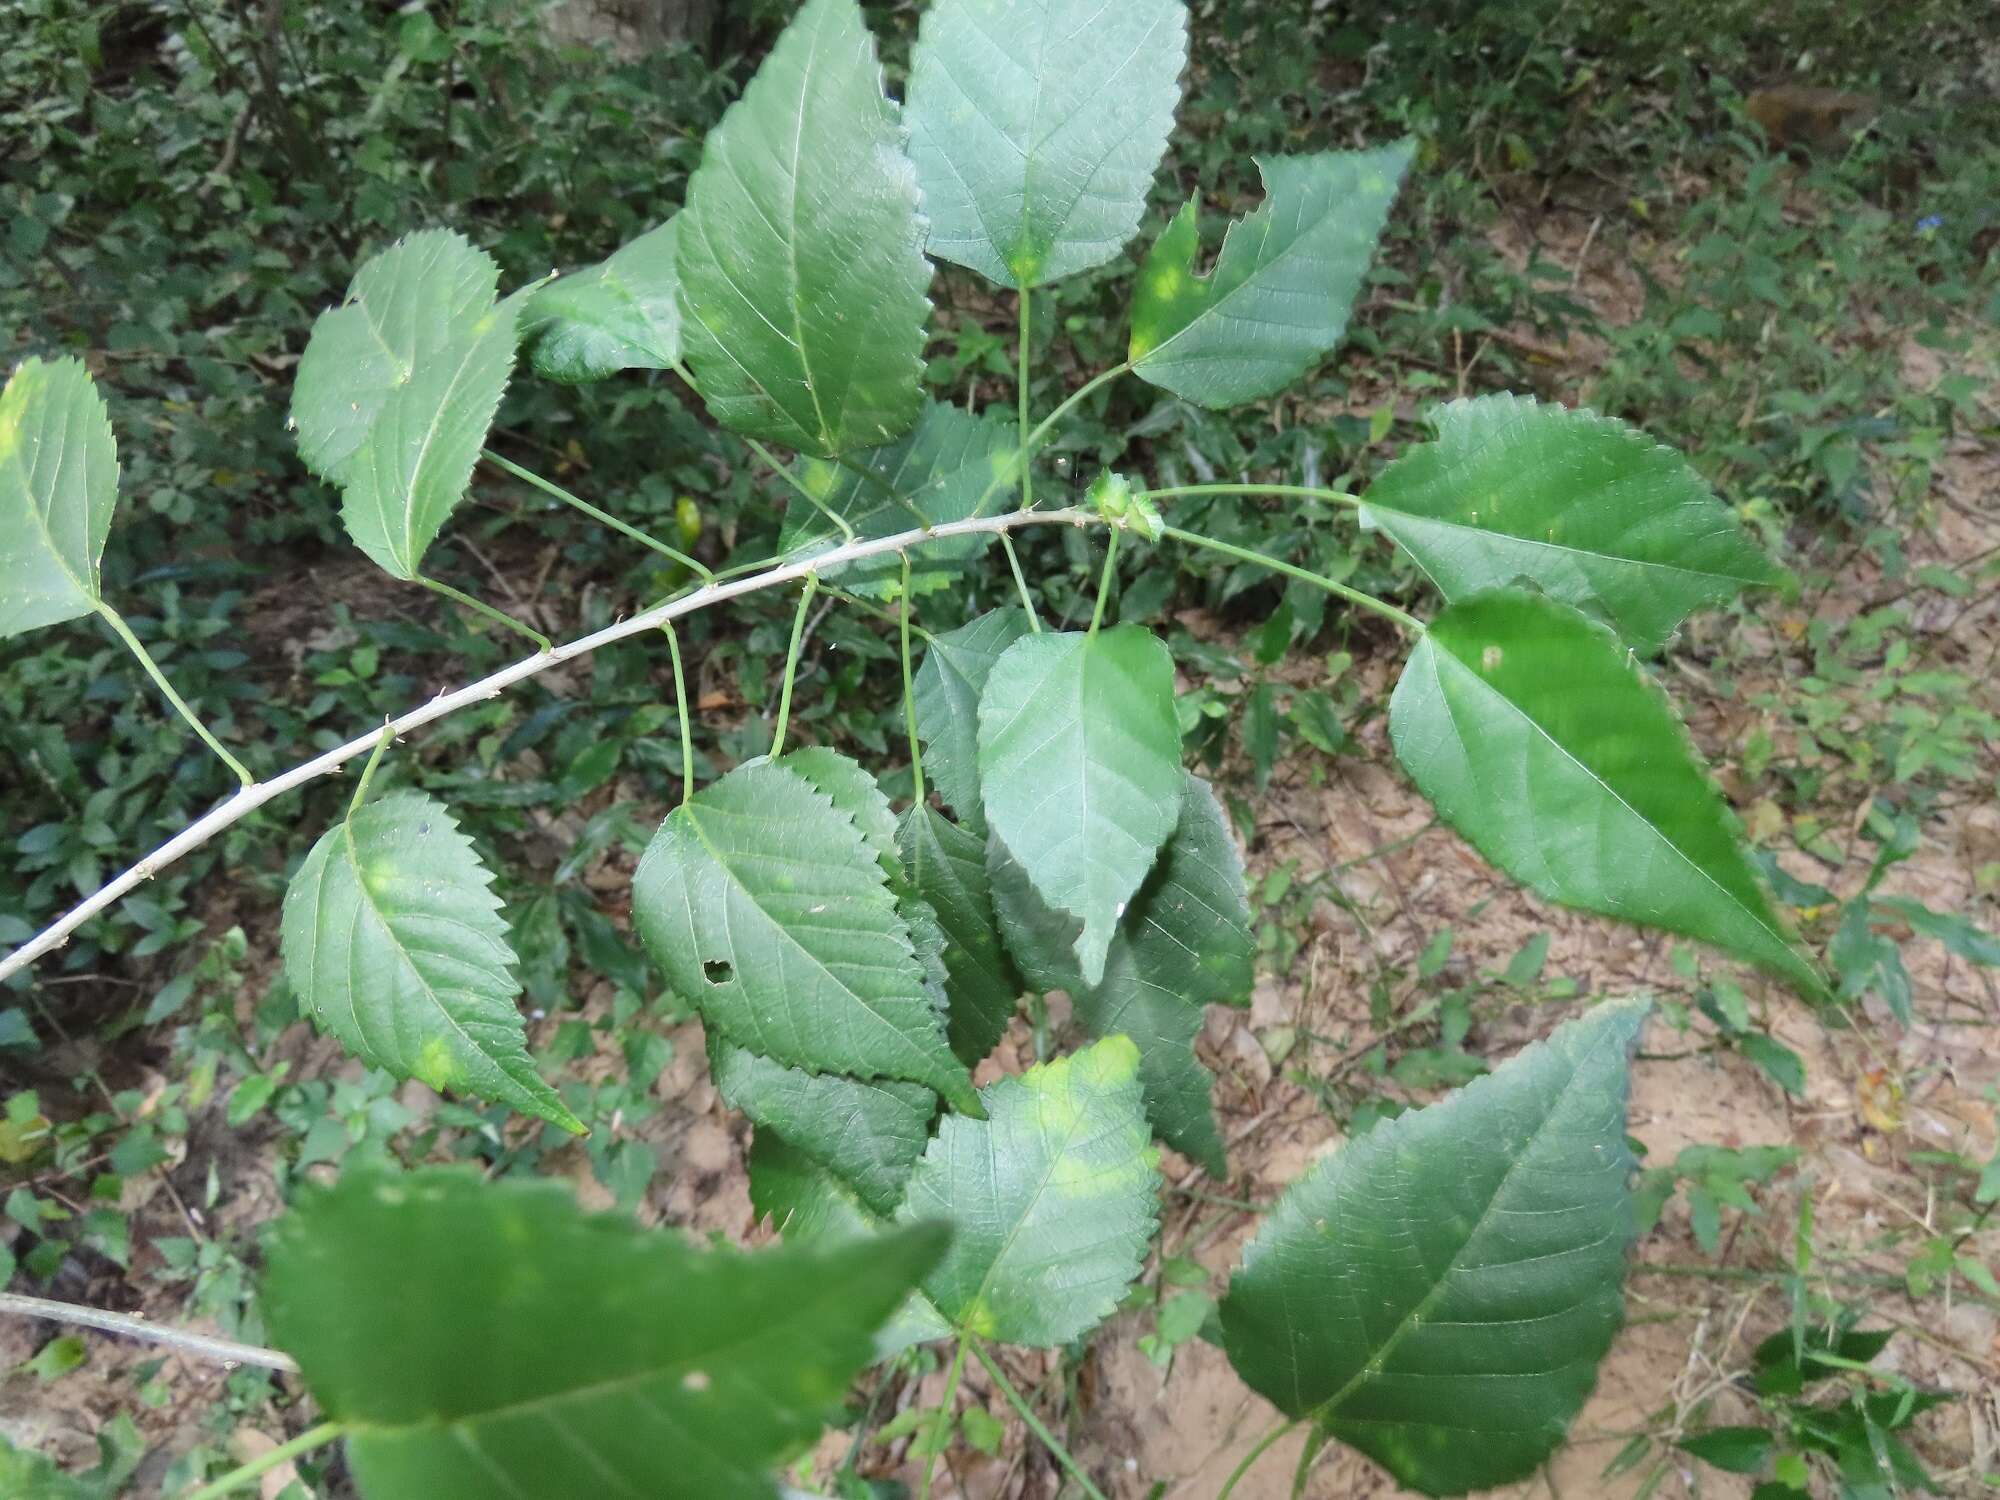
(254, 796)
(177, 1339)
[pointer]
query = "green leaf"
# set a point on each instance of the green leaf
(1739, 1450)
(393, 942)
(1540, 740)
(409, 474)
(27, 1475)
(868, 1133)
(1184, 943)
(770, 911)
(849, 786)
(398, 387)
(1080, 770)
(486, 1339)
(1958, 935)
(855, 792)
(808, 1206)
(1439, 1292)
(58, 484)
(982, 1430)
(620, 314)
(1037, 126)
(404, 309)
(1785, 1067)
(1783, 1366)
(950, 467)
(946, 866)
(801, 249)
(1051, 1199)
(1589, 510)
(948, 684)
(1278, 299)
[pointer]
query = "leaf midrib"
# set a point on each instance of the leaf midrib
(1414, 1317)
(692, 810)
(792, 241)
(89, 592)
(795, 1312)
(980, 1297)
(1214, 303)
(367, 902)
(474, 346)
(1529, 719)
(1529, 541)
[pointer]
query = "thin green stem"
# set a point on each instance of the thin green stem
(1309, 1455)
(873, 610)
(236, 1479)
(1104, 580)
(784, 472)
(1256, 1452)
(910, 694)
(1308, 492)
(605, 518)
(1305, 575)
(681, 707)
(1035, 439)
(1753, 1273)
(1021, 584)
(881, 486)
(1035, 1425)
(792, 664)
(117, 622)
(943, 1424)
(457, 596)
(388, 738)
(1031, 444)
(1022, 395)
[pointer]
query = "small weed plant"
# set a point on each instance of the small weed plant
(1437, 1294)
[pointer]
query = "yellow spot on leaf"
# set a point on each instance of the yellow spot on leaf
(978, 1319)
(436, 1065)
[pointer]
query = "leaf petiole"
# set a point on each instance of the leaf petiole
(1021, 584)
(792, 664)
(1308, 492)
(458, 596)
(1031, 444)
(783, 471)
(388, 738)
(1368, 602)
(1034, 440)
(943, 1424)
(1257, 1451)
(681, 707)
(117, 622)
(1035, 1424)
(602, 517)
(910, 694)
(236, 1479)
(1104, 581)
(1021, 391)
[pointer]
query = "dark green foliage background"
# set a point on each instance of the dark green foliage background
(189, 182)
